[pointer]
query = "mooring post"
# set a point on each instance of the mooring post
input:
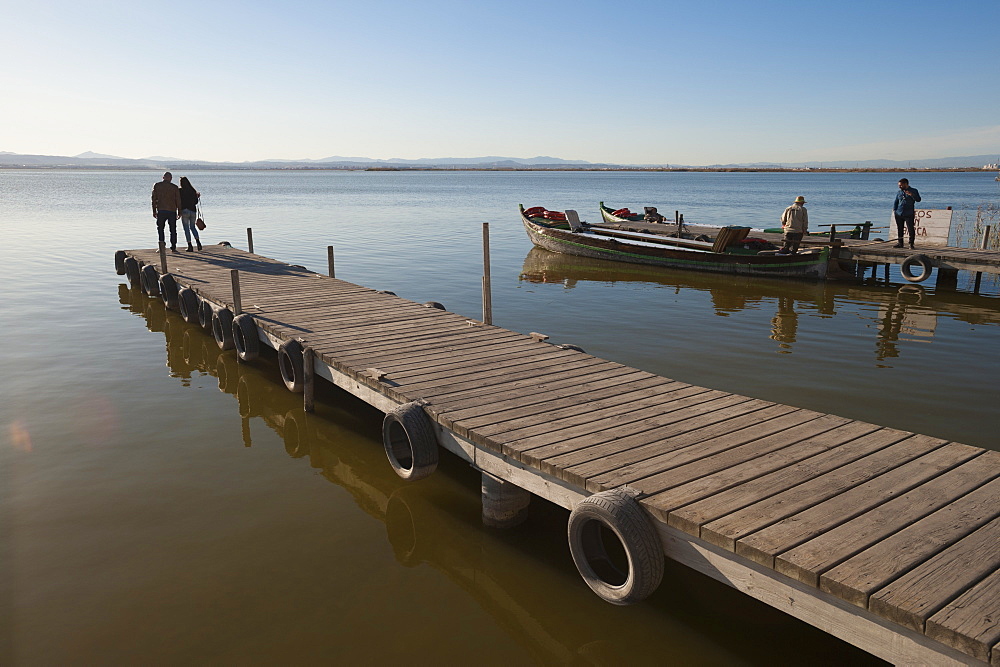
(329, 260)
(866, 230)
(250, 239)
(163, 258)
(983, 243)
(237, 301)
(487, 295)
(505, 504)
(308, 379)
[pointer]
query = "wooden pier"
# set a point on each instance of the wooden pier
(887, 539)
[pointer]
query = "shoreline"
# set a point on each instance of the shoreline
(777, 170)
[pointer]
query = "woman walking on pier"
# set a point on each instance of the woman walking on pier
(189, 211)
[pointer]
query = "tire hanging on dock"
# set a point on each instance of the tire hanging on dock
(623, 578)
(189, 305)
(291, 366)
(409, 441)
(434, 304)
(926, 267)
(169, 290)
(132, 271)
(222, 328)
(245, 337)
(150, 281)
(205, 314)
(120, 262)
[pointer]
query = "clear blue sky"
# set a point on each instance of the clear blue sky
(625, 82)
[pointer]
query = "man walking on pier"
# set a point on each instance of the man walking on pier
(166, 203)
(794, 225)
(904, 212)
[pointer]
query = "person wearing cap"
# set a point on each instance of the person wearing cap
(794, 225)
(166, 203)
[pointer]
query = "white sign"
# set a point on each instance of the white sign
(932, 226)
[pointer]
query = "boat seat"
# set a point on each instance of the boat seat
(573, 218)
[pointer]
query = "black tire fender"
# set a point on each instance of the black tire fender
(150, 280)
(205, 314)
(120, 262)
(132, 271)
(926, 267)
(409, 441)
(245, 337)
(169, 290)
(222, 328)
(434, 304)
(616, 514)
(189, 304)
(291, 366)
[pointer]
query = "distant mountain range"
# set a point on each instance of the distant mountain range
(90, 160)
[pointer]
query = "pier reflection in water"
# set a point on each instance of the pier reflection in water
(906, 313)
(536, 608)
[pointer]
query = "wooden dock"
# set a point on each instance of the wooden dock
(887, 539)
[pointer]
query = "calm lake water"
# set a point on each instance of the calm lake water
(161, 504)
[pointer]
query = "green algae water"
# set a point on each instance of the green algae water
(162, 504)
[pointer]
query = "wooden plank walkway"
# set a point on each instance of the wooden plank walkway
(885, 538)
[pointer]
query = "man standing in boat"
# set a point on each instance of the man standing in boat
(904, 212)
(794, 225)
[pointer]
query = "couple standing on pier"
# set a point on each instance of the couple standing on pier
(795, 219)
(168, 201)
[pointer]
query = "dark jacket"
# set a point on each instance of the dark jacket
(189, 199)
(904, 202)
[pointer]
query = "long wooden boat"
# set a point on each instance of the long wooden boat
(552, 231)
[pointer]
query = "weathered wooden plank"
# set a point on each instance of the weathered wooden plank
(640, 393)
(455, 361)
(613, 465)
(806, 561)
(543, 398)
(644, 388)
(536, 385)
(763, 545)
(672, 442)
(522, 366)
(970, 623)
(427, 344)
(758, 487)
(914, 597)
(693, 409)
(857, 578)
(479, 366)
(725, 531)
(527, 375)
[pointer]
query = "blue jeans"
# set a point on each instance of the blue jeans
(163, 217)
(188, 218)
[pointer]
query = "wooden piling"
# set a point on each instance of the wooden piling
(249, 239)
(163, 258)
(329, 261)
(308, 379)
(237, 301)
(487, 288)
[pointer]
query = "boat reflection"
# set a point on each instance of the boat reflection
(523, 578)
(895, 313)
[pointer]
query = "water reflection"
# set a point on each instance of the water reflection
(893, 313)
(524, 578)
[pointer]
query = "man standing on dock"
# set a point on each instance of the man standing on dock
(904, 212)
(166, 203)
(794, 225)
